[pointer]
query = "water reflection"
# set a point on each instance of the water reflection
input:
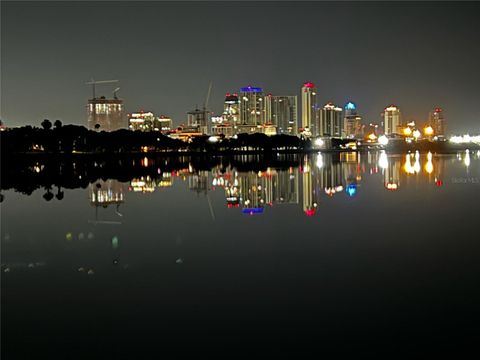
(249, 182)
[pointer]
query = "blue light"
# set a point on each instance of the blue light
(350, 106)
(251, 89)
(352, 189)
(252, 210)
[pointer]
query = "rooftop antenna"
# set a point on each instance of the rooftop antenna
(93, 83)
(115, 93)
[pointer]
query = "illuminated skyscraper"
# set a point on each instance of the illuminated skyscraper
(391, 120)
(105, 114)
(437, 122)
(251, 109)
(352, 122)
(231, 110)
(281, 112)
(308, 108)
(330, 121)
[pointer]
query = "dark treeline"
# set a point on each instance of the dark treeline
(67, 139)
(26, 174)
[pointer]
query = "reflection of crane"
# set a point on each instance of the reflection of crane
(93, 83)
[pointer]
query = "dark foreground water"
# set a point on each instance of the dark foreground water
(341, 253)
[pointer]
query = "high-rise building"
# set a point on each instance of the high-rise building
(281, 112)
(391, 120)
(352, 122)
(330, 121)
(105, 114)
(251, 110)
(199, 119)
(231, 110)
(437, 122)
(309, 93)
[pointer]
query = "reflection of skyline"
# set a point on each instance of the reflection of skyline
(250, 185)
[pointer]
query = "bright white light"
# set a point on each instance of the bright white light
(383, 160)
(416, 134)
(319, 142)
(416, 166)
(213, 139)
(465, 139)
(383, 140)
(466, 161)
(319, 161)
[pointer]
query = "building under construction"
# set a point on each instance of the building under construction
(105, 114)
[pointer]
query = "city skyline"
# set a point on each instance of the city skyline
(412, 75)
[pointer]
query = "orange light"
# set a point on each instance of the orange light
(428, 131)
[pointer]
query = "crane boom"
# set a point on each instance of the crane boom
(208, 96)
(93, 83)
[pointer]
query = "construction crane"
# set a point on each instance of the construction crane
(115, 93)
(205, 105)
(93, 83)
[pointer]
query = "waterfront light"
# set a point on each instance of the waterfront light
(383, 140)
(319, 161)
(213, 139)
(407, 131)
(408, 165)
(372, 137)
(319, 142)
(416, 134)
(383, 160)
(416, 166)
(428, 131)
(464, 139)
(466, 160)
(429, 164)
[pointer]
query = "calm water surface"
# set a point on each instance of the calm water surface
(349, 251)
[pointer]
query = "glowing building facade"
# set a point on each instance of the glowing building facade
(231, 109)
(105, 114)
(147, 121)
(281, 112)
(437, 122)
(352, 122)
(309, 93)
(251, 110)
(391, 120)
(330, 121)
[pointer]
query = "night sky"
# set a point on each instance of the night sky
(415, 55)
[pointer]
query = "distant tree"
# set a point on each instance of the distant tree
(59, 194)
(97, 126)
(46, 124)
(57, 124)
(48, 195)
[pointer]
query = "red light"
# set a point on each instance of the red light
(439, 183)
(310, 212)
(309, 85)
